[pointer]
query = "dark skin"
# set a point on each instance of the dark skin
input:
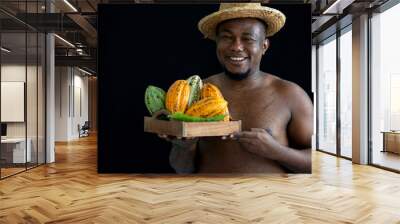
(276, 115)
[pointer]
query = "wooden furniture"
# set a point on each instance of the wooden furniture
(13, 151)
(391, 141)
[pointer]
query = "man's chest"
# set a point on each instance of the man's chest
(262, 110)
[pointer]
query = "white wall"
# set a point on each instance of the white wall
(80, 111)
(10, 73)
(33, 127)
(62, 81)
(71, 93)
(15, 72)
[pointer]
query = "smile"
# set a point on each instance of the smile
(237, 60)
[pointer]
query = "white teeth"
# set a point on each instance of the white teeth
(236, 59)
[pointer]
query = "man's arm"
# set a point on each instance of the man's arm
(300, 130)
(296, 160)
(260, 142)
(182, 155)
(297, 156)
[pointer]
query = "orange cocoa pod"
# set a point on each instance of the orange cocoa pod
(177, 97)
(208, 107)
(210, 90)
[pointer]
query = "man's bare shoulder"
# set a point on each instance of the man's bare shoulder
(214, 78)
(285, 87)
(295, 96)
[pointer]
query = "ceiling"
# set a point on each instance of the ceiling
(76, 22)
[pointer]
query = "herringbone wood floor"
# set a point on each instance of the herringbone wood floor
(71, 191)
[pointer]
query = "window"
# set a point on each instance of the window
(327, 96)
(22, 77)
(385, 87)
(346, 93)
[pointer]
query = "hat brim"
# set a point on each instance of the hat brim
(274, 19)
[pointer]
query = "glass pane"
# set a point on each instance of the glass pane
(31, 101)
(386, 88)
(13, 84)
(327, 96)
(346, 94)
(41, 98)
(31, 83)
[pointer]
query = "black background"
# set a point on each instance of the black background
(147, 44)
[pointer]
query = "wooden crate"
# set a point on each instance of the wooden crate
(191, 129)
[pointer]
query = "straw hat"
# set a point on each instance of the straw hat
(272, 17)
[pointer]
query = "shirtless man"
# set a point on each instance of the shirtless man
(276, 115)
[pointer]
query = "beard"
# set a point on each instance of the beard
(236, 76)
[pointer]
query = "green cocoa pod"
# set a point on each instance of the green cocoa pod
(195, 84)
(154, 99)
(179, 116)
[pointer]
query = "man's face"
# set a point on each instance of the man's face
(240, 46)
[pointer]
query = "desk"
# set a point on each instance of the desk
(391, 141)
(13, 150)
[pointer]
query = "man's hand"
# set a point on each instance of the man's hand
(183, 152)
(231, 136)
(182, 142)
(260, 142)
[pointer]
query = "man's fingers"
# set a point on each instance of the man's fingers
(246, 140)
(258, 129)
(163, 136)
(230, 136)
(175, 138)
(246, 134)
(266, 130)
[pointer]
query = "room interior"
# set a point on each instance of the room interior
(48, 170)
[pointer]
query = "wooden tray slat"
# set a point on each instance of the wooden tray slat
(191, 129)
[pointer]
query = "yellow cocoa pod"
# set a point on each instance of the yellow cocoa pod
(227, 115)
(177, 97)
(208, 107)
(210, 90)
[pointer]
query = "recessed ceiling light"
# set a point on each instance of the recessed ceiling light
(84, 71)
(70, 5)
(337, 7)
(5, 50)
(65, 41)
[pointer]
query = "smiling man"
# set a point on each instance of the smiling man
(276, 115)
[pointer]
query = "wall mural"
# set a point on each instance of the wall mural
(203, 89)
